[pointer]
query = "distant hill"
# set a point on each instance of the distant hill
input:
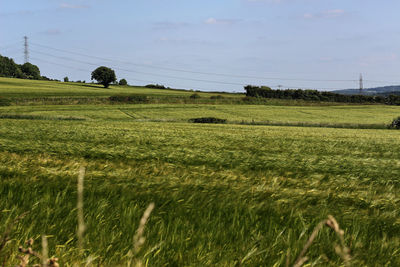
(382, 91)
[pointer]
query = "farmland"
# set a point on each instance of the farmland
(228, 194)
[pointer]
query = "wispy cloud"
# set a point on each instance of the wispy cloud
(214, 21)
(379, 59)
(182, 41)
(268, 1)
(70, 6)
(332, 13)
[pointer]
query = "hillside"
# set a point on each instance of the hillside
(382, 91)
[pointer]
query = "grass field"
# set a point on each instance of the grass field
(19, 88)
(225, 195)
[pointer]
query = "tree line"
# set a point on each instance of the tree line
(314, 95)
(8, 68)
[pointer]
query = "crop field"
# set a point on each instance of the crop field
(331, 115)
(224, 194)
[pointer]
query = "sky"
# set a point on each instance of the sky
(212, 45)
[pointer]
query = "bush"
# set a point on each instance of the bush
(123, 82)
(395, 123)
(129, 99)
(216, 97)
(155, 86)
(207, 120)
(195, 96)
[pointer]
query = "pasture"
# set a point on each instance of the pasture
(225, 195)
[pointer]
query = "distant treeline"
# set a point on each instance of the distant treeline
(314, 95)
(10, 69)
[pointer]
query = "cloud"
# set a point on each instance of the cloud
(379, 59)
(267, 1)
(332, 13)
(183, 41)
(214, 21)
(69, 6)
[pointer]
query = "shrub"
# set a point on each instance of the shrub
(207, 120)
(395, 123)
(155, 86)
(123, 82)
(195, 96)
(216, 97)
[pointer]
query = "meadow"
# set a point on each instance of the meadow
(226, 194)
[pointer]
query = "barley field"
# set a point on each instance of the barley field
(224, 195)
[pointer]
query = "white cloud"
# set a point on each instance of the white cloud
(268, 1)
(215, 21)
(211, 21)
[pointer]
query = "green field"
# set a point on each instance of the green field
(19, 88)
(382, 115)
(225, 195)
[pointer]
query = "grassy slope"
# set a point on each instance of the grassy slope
(19, 88)
(224, 194)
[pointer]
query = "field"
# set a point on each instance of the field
(226, 195)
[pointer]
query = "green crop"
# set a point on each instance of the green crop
(224, 194)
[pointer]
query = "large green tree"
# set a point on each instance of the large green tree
(104, 76)
(8, 68)
(31, 71)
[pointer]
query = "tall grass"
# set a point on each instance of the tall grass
(225, 194)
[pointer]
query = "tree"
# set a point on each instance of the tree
(123, 82)
(31, 71)
(104, 76)
(8, 68)
(66, 79)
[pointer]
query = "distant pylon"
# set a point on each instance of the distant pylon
(26, 51)
(361, 83)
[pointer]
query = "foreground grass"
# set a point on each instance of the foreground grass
(224, 194)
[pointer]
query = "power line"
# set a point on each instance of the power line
(57, 64)
(168, 76)
(70, 67)
(196, 72)
(187, 71)
(139, 72)
(86, 70)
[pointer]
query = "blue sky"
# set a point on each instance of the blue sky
(321, 44)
